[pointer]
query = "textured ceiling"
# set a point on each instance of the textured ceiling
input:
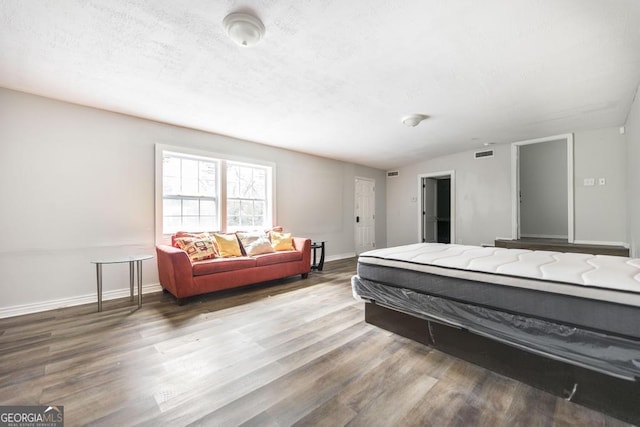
(334, 78)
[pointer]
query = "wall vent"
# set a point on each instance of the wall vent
(482, 154)
(393, 174)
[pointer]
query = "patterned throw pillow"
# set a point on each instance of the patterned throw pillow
(227, 245)
(198, 247)
(255, 242)
(282, 241)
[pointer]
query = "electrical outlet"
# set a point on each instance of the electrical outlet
(589, 182)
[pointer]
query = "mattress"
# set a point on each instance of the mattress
(578, 308)
(595, 292)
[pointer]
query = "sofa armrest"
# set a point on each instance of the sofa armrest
(303, 244)
(174, 270)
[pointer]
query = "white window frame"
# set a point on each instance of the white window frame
(160, 149)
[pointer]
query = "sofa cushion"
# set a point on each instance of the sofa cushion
(255, 242)
(277, 258)
(219, 265)
(228, 244)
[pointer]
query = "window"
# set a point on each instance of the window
(189, 193)
(246, 196)
(203, 193)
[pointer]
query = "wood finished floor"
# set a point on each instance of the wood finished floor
(296, 352)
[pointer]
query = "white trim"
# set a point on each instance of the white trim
(601, 243)
(442, 174)
(337, 257)
(19, 310)
(515, 184)
(570, 189)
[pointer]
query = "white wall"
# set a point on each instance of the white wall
(482, 196)
(78, 183)
(483, 193)
(633, 175)
(601, 210)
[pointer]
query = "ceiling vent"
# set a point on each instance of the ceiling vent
(393, 174)
(483, 154)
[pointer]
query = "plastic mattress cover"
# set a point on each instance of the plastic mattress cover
(611, 355)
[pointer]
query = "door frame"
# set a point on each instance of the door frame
(355, 210)
(451, 174)
(515, 183)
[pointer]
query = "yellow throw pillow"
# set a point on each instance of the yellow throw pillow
(197, 248)
(227, 245)
(282, 241)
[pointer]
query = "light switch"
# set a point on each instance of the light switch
(589, 182)
(602, 181)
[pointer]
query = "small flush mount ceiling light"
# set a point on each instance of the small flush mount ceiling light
(414, 120)
(244, 29)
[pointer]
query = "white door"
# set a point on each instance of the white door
(365, 215)
(429, 210)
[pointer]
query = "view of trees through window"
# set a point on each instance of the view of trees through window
(192, 198)
(246, 196)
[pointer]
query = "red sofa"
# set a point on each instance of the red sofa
(182, 278)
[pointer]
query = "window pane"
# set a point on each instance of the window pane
(233, 182)
(190, 207)
(208, 223)
(171, 175)
(171, 166)
(191, 223)
(189, 177)
(246, 208)
(172, 207)
(207, 179)
(172, 224)
(258, 208)
(208, 207)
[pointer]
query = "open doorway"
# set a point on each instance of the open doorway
(542, 189)
(437, 207)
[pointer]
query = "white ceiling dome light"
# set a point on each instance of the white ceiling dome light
(244, 29)
(414, 120)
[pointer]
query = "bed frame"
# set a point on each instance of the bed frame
(577, 338)
(610, 395)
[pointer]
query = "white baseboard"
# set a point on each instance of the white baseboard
(599, 242)
(340, 256)
(19, 310)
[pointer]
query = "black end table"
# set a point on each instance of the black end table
(315, 246)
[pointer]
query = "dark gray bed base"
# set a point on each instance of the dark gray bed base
(609, 354)
(613, 396)
(599, 316)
